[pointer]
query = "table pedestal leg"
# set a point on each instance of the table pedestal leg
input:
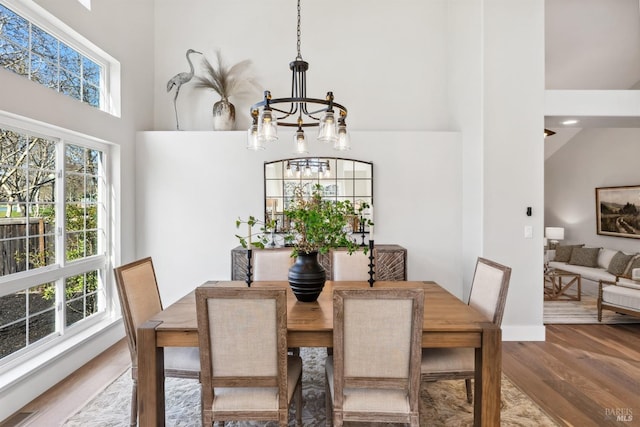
(488, 379)
(150, 377)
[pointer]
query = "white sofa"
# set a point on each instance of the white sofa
(622, 296)
(616, 276)
(591, 276)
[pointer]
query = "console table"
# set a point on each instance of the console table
(390, 260)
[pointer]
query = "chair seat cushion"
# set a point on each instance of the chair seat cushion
(621, 296)
(368, 400)
(257, 398)
(447, 360)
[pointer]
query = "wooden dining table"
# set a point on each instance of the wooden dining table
(448, 322)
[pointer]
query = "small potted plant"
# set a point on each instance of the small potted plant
(316, 225)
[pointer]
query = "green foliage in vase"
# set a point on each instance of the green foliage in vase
(251, 239)
(318, 224)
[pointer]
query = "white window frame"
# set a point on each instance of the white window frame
(62, 268)
(110, 99)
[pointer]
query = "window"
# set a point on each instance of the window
(53, 233)
(56, 57)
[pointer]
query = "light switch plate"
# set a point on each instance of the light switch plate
(528, 232)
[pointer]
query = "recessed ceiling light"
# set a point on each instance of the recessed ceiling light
(570, 122)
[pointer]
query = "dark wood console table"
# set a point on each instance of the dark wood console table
(391, 262)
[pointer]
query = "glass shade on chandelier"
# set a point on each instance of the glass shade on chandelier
(328, 131)
(300, 141)
(343, 142)
(300, 111)
(253, 142)
(267, 126)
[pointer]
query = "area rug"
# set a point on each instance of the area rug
(581, 312)
(443, 403)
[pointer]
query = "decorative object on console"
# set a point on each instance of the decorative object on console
(618, 211)
(298, 111)
(178, 80)
(226, 82)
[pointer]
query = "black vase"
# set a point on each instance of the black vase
(307, 277)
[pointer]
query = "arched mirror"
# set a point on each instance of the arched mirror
(341, 179)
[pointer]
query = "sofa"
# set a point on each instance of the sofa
(615, 274)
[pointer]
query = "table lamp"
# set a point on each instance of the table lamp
(554, 234)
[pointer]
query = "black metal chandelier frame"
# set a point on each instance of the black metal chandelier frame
(298, 102)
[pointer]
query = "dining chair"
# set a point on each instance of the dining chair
(139, 301)
(271, 264)
(488, 296)
(374, 373)
(350, 267)
(246, 371)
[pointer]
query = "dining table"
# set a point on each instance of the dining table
(448, 322)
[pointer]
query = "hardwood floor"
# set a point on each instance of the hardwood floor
(582, 375)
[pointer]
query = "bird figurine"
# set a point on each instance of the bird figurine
(178, 80)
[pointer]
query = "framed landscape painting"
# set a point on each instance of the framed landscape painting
(618, 211)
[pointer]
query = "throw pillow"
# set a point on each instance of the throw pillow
(634, 262)
(563, 252)
(604, 258)
(619, 263)
(587, 257)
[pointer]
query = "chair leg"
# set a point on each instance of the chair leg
(467, 383)
(298, 398)
(134, 404)
(328, 403)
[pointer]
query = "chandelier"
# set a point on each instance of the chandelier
(298, 111)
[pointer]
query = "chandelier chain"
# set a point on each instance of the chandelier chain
(299, 57)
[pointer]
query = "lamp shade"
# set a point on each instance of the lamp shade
(554, 233)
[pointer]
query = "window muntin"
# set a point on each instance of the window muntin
(33, 52)
(31, 210)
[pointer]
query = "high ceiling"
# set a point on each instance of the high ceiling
(592, 44)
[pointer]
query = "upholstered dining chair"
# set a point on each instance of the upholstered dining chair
(349, 267)
(374, 373)
(271, 264)
(246, 371)
(488, 295)
(140, 300)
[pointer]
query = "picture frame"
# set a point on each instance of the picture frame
(618, 211)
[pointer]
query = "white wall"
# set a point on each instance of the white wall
(192, 186)
(600, 157)
(474, 68)
(512, 114)
(384, 61)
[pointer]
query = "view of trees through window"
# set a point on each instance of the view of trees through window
(32, 52)
(39, 196)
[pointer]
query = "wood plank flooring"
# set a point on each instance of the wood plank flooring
(582, 375)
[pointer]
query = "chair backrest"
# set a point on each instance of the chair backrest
(242, 334)
(377, 336)
(349, 267)
(139, 298)
(489, 289)
(271, 264)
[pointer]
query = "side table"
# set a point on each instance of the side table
(558, 282)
